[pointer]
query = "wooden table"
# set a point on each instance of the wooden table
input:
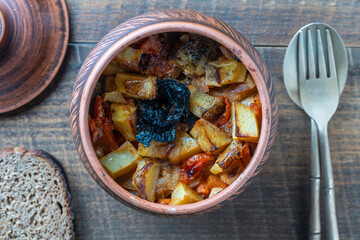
(275, 206)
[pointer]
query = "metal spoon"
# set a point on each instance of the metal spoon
(291, 80)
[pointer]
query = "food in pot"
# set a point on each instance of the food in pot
(177, 120)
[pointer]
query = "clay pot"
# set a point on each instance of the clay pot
(158, 22)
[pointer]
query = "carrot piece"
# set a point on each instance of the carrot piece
(110, 141)
(225, 117)
(102, 120)
(214, 181)
(202, 188)
(252, 147)
(164, 201)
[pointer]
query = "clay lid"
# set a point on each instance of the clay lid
(33, 40)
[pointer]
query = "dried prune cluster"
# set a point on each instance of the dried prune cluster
(157, 118)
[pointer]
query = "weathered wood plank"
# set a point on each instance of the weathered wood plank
(274, 207)
(262, 22)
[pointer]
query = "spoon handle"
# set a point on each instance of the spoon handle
(328, 183)
(314, 220)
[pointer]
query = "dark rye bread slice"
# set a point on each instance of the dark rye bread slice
(35, 202)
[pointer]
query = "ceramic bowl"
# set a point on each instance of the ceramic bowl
(158, 22)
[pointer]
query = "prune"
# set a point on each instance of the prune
(157, 118)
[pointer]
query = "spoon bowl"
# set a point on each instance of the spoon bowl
(290, 70)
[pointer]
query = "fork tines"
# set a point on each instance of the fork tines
(309, 68)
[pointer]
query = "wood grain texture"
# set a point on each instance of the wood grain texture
(143, 26)
(275, 206)
(264, 22)
(32, 48)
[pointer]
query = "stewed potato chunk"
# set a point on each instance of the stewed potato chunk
(204, 105)
(185, 147)
(184, 195)
(136, 85)
(124, 119)
(228, 159)
(224, 71)
(210, 138)
(145, 178)
(245, 124)
(120, 161)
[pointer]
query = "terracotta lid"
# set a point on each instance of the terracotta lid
(33, 40)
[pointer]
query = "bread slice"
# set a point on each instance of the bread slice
(35, 202)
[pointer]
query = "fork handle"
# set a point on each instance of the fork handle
(314, 218)
(328, 184)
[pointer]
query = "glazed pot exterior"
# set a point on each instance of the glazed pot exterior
(171, 21)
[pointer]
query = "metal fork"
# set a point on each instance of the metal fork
(319, 96)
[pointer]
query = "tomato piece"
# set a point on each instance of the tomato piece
(154, 59)
(95, 132)
(225, 117)
(102, 119)
(193, 166)
(246, 155)
(110, 143)
(256, 107)
(99, 113)
(152, 45)
(157, 65)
